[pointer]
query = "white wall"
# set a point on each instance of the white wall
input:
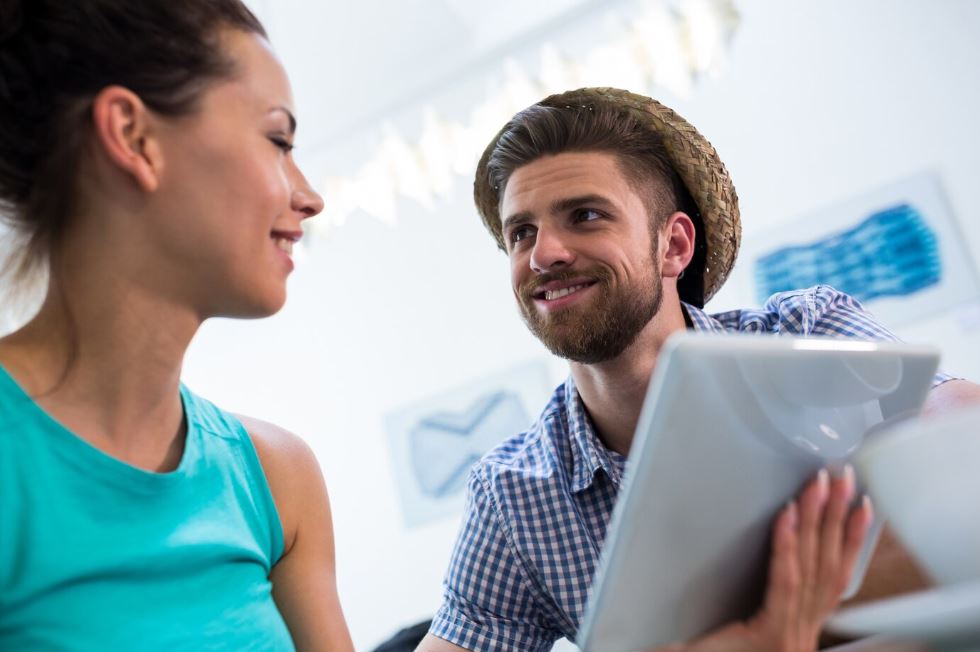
(823, 100)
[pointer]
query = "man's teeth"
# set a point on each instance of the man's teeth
(551, 295)
(285, 244)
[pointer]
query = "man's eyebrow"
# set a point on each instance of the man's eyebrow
(289, 114)
(559, 206)
(568, 203)
(516, 220)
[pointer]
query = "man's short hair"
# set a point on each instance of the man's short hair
(543, 130)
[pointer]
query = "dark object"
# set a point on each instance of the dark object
(406, 640)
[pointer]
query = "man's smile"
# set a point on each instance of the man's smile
(558, 294)
(551, 295)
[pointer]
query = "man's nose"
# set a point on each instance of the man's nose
(550, 251)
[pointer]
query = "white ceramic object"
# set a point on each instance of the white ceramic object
(924, 478)
(945, 613)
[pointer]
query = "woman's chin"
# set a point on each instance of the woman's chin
(254, 306)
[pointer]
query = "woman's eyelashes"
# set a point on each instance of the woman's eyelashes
(282, 143)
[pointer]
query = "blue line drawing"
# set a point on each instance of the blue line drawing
(444, 445)
(435, 440)
(894, 252)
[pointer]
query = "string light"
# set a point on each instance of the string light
(666, 43)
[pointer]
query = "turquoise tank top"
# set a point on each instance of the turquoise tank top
(96, 554)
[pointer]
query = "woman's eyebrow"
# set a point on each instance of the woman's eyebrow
(289, 114)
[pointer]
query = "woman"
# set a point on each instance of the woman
(146, 162)
(146, 158)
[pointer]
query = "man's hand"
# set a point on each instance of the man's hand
(816, 542)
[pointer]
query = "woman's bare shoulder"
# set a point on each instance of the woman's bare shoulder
(304, 582)
(276, 443)
(290, 467)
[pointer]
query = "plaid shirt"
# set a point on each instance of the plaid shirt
(539, 503)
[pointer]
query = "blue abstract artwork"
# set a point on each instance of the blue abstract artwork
(435, 440)
(893, 252)
(446, 444)
(898, 249)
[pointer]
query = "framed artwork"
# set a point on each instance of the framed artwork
(897, 249)
(435, 441)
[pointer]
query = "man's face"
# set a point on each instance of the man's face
(584, 261)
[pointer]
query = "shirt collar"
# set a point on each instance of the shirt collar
(589, 455)
(701, 321)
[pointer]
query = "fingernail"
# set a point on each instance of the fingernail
(867, 504)
(849, 480)
(823, 482)
(792, 513)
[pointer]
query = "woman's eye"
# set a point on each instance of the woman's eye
(282, 144)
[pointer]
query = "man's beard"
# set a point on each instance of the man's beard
(601, 330)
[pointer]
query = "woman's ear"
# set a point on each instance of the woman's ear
(122, 131)
(677, 236)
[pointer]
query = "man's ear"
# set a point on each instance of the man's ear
(677, 244)
(122, 131)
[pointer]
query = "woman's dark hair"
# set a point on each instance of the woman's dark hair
(55, 57)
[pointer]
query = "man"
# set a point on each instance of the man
(620, 221)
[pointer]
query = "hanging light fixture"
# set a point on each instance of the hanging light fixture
(665, 43)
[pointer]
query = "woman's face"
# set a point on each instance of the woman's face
(231, 199)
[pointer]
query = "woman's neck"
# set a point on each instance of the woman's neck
(103, 357)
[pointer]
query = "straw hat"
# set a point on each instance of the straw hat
(691, 155)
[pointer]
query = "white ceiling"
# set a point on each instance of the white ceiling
(354, 65)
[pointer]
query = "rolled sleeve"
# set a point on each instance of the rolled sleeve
(487, 603)
(826, 312)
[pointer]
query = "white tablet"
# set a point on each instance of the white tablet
(732, 427)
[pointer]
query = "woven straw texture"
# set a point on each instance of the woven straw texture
(692, 156)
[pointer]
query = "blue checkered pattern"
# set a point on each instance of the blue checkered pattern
(539, 503)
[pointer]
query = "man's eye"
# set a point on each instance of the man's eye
(282, 144)
(520, 233)
(587, 215)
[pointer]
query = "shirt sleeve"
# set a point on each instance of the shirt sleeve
(822, 311)
(487, 602)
